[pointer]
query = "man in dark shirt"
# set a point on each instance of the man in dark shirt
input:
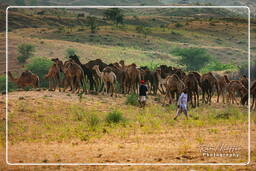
(142, 94)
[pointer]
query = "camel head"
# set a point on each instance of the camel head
(121, 63)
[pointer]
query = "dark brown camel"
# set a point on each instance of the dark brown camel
(74, 76)
(27, 78)
(235, 86)
(87, 71)
(192, 85)
(208, 83)
(132, 78)
(222, 83)
(174, 85)
(253, 93)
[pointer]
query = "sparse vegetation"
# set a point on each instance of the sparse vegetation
(25, 51)
(132, 99)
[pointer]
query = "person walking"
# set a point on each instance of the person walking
(142, 94)
(182, 104)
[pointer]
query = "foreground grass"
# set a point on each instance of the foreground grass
(46, 119)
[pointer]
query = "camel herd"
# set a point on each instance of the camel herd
(120, 78)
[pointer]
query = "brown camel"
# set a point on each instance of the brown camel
(27, 78)
(235, 86)
(74, 76)
(222, 83)
(192, 84)
(132, 78)
(174, 85)
(162, 82)
(253, 93)
(208, 82)
(244, 81)
(53, 74)
(108, 77)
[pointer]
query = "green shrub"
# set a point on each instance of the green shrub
(70, 52)
(193, 58)
(115, 117)
(40, 66)
(25, 51)
(177, 25)
(217, 66)
(132, 99)
(11, 85)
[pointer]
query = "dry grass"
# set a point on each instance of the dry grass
(58, 124)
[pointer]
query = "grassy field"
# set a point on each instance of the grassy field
(69, 129)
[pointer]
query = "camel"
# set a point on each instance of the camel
(53, 74)
(208, 82)
(27, 78)
(150, 78)
(253, 93)
(108, 77)
(132, 78)
(161, 81)
(244, 99)
(233, 87)
(191, 83)
(87, 71)
(244, 81)
(222, 83)
(74, 76)
(96, 78)
(173, 85)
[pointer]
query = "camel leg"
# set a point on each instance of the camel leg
(197, 96)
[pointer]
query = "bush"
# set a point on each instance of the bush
(177, 25)
(132, 99)
(115, 117)
(25, 51)
(40, 66)
(70, 52)
(11, 85)
(193, 58)
(217, 66)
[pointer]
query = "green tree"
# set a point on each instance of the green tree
(25, 51)
(40, 66)
(92, 23)
(115, 15)
(193, 58)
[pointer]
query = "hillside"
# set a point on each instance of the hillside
(168, 30)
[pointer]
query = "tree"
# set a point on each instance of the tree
(25, 51)
(143, 30)
(92, 23)
(115, 15)
(40, 66)
(193, 58)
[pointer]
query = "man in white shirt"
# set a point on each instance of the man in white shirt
(182, 104)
